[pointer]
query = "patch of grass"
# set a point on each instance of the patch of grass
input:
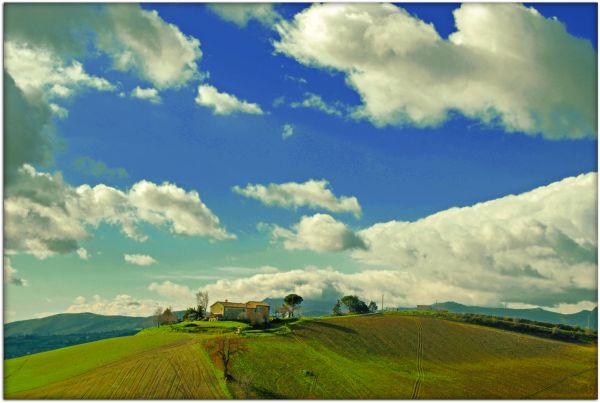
(35, 370)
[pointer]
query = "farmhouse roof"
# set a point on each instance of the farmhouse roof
(249, 304)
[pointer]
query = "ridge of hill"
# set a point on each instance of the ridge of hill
(388, 356)
(575, 319)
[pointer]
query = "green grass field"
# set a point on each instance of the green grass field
(369, 357)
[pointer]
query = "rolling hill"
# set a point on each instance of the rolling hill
(371, 356)
(580, 319)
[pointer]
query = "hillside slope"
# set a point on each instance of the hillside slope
(581, 319)
(373, 356)
(75, 323)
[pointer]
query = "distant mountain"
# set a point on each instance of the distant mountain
(75, 323)
(575, 319)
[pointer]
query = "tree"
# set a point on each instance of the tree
(372, 307)
(293, 300)
(156, 317)
(354, 304)
(194, 313)
(202, 301)
(337, 308)
(168, 317)
(223, 350)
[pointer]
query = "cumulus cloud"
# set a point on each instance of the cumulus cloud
(140, 260)
(314, 101)
(45, 216)
(538, 247)
(399, 288)
(141, 41)
(222, 103)
(10, 274)
(242, 13)
(176, 293)
(148, 94)
(319, 233)
(37, 70)
(120, 305)
(315, 194)
(136, 40)
(288, 131)
(506, 64)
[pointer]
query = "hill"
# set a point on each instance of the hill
(75, 323)
(575, 319)
(372, 356)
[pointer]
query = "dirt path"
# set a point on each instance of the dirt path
(420, 372)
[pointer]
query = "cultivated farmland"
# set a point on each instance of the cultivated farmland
(371, 356)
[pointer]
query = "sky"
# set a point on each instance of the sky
(425, 152)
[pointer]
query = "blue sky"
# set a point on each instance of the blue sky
(398, 170)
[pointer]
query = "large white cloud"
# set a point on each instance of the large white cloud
(135, 39)
(319, 233)
(44, 215)
(224, 104)
(141, 41)
(538, 247)
(241, 13)
(505, 64)
(180, 295)
(312, 193)
(37, 69)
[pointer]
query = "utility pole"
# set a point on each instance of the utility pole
(381, 302)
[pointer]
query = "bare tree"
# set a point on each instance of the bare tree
(157, 316)
(223, 349)
(202, 301)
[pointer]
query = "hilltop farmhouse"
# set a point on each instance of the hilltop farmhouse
(225, 310)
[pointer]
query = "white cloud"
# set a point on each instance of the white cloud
(140, 260)
(177, 294)
(314, 101)
(59, 111)
(560, 308)
(399, 288)
(505, 64)
(224, 104)
(39, 70)
(136, 40)
(121, 305)
(83, 254)
(288, 131)
(539, 247)
(319, 233)
(148, 94)
(44, 215)
(241, 13)
(572, 308)
(10, 274)
(312, 193)
(141, 41)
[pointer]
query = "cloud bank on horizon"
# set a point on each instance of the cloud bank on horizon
(506, 66)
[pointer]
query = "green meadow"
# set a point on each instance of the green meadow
(369, 357)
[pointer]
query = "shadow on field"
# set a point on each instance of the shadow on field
(263, 393)
(327, 325)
